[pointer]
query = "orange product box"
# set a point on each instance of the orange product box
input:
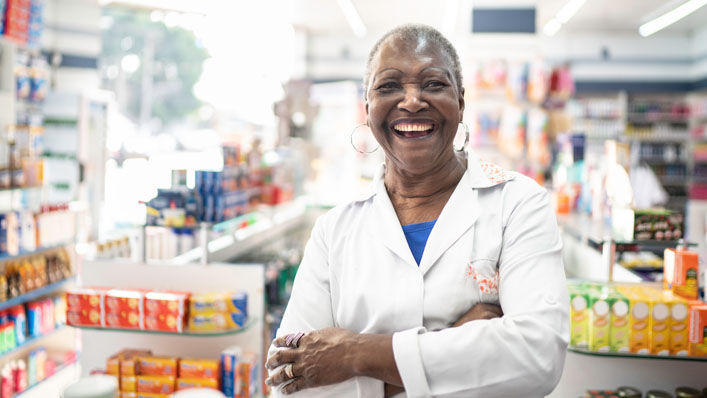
(113, 366)
(698, 324)
(128, 367)
(158, 366)
(698, 350)
(166, 302)
(113, 363)
(152, 395)
(680, 268)
(118, 300)
(124, 394)
(128, 383)
(84, 317)
(164, 322)
(123, 319)
(156, 384)
(186, 383)
(80, 298)
(191, 368)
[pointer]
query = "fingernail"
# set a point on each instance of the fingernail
(268, 382)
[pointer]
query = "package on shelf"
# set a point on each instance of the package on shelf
(680, 270)
(620, 331)
(227, 302)
(17, 13)
(85, 306)
(679, 323)
(698, 323)
(157, 366)
(230, 358)
(56, 225)
(165, 311)
(156, 384)
(192, 368)
(124, 308)
(646, 224)
(599, 317)
(9, 234)
(128, 383)
(216, 321)
(2, 16)
(187, 383)
(124, 363)
(579, 314)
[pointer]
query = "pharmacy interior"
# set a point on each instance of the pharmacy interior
(162, 164)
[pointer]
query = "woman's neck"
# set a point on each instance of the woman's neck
(421, 197)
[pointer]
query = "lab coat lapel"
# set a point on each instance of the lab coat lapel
(387, 226)
(458, 215)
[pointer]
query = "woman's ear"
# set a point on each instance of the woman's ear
(461, 105)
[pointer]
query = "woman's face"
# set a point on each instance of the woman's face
(413, 104)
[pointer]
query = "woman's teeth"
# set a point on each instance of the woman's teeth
(413, 130)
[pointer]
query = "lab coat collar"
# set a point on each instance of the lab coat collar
(458, 215)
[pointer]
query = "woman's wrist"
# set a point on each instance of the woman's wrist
(372, 356)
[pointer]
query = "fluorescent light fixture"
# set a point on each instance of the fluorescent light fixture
(352, 17)
(569, 9)
(670, 17)
(565, 14)
(551, 27)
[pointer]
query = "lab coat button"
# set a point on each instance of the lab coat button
(550, 299)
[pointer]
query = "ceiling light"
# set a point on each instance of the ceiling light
(352, 17)
(670, 17)
(569, 9)
(551, 27)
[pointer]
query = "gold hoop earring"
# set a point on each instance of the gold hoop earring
(351, 139)
(461, 147)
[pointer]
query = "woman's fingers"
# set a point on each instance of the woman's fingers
(281, 357)
(291, 340)
(298, 384)
(288, 372)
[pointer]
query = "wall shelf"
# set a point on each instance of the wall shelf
(585, 351)
(249, 323)
(32, 341)
(47, 380)
(35, 294)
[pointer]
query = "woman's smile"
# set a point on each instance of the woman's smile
(413, 129)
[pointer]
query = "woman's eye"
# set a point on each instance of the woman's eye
(389, 86)
(434, 84)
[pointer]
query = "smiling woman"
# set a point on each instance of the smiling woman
(445, 279)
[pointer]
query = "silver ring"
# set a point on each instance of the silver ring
(288, 371)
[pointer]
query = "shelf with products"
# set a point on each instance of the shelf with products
(36, 293)
(48, 380)
(630, 355)
(31, 341)
(250, 323)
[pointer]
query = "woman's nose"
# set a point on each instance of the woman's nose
(412, 100)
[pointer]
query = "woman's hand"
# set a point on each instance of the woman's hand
(477, 312)
(323, 357)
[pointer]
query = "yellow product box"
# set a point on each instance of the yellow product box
(216, 321)
(191, 368)
(128, 395)
(152, 395)
(620, 329)
(679, 323)
(128, 383)
(156, 384)
(599, 318)
(579, 315)
(157, 366)
(113, 366)
(639, 328)
(205, 303)
(659, 321)
(186, 383)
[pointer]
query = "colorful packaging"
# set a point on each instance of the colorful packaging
(162, 303)
(128, 383)
(151, 395)
(639, 321)
(164, 323)
(18, 316)
(698, 324)
(156, 384)
(216, 321)
(190, 368)
(579, 314)
(227, 302)
(698, 350)
(599, 321)
(124, 394)
(679, 324)
(659, 322)
(247, 376)
(85, 298)
(158, 366)
(34, 319)
(113, 366)
(620, 329)
(117, 300)
(680, 269)
(230, 358)
(59, 311)
(124, 320)
(186, 383)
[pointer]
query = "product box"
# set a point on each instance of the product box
(645, 224)
(599, 321)
(620, 329)
(698, 350)
(659, 322)
(123, 362)
(198, 368)
(90, 317)
(174, 303)
(128, 383)
(680, 268)
(639, 320)
(156, 384)
(164, 323)
(186, 383)
(679, 324)
(230, 358)
(216, 321)
(204, 303)
(698, 324)
(158, 366)
(247, 376)
(80, 298)
(579, 313)
(117, 300)
(124, 394)
(123, 320)
(151, 395)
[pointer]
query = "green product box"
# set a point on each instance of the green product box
(579, 317)
(620, 328)
(599, 321)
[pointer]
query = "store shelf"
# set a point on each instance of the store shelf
(672, 137)
(20, 189)
(585, 351)
(31, 341)
(35, 294)
(8, 257)
(57, 373)
(245, 328)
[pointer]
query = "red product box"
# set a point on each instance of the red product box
(123, 319)
(167, 302)
(19, 3)
(118, 300)
(81, 298)
(698, 324)
(17, 14)
(164, 323)
(84, 317)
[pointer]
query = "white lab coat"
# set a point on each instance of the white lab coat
(496, 240)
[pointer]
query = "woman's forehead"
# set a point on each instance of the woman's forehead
(398, 50)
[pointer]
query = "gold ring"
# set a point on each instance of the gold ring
(288, 371)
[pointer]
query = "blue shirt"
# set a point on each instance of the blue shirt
(416, 235)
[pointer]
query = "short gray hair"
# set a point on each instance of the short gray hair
(414, 32)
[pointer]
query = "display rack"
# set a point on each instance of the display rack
(248, 325)
(585, 351)
(36, 293)
(64, 375)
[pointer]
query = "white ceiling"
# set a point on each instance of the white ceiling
(325, 16)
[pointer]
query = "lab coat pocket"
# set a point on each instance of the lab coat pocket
(483, 275)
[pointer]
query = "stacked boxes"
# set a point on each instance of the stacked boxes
(17, 16)
(239, 375)
(85, 306)
(680, 268)
(198, 373)
(166, 311)
(224, 193)
(217, 311)
(649, 224)
(124, 309)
